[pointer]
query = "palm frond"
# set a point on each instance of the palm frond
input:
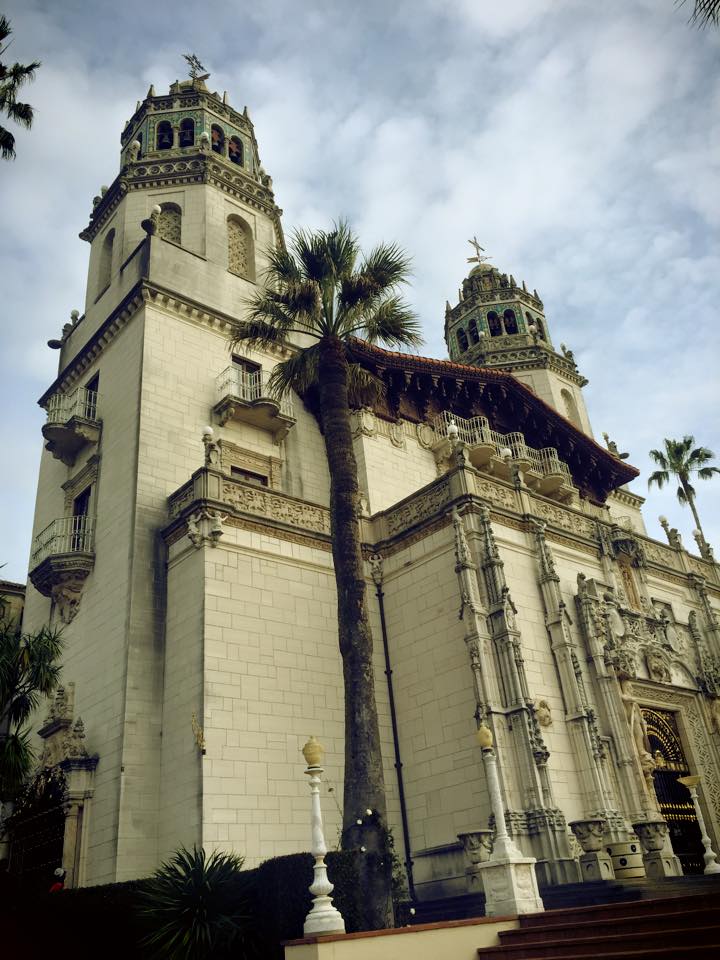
(21, 113)
(299, 372)
(681, 495)
(707, 473)
(364, 387)
(7, 144)
(705, 12)
(393, 323)
(700, 455)
(658, 457)
(659, 478)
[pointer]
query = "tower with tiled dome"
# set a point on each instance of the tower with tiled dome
(499, 323)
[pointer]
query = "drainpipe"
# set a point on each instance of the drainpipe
(377, 578)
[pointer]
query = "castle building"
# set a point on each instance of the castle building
(182, 541)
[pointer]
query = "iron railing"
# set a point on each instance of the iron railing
(250, 386)
(64, 535)
(82, 403)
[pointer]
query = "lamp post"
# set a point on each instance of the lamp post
(710, 857)
(323, 917)
(508, 877)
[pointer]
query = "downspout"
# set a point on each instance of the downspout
(408, 862)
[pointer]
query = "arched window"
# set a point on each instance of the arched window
(170, 223)
(235, 150)
(241, 255)
(139, 139)
(473, 331)
(494, 324)
(164, 135)
(540, 328)
(571, 410)
(510, 322)
(187, 132)
(105, 269)
(218, 138)
(462, 340)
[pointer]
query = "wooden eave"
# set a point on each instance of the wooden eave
(418, 387)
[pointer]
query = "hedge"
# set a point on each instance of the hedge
(100, 921)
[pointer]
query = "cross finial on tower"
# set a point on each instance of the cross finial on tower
(479, 252)
(196, 67)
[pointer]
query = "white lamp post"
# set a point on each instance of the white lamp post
(508, 877)
(710, 857)
(323, 917)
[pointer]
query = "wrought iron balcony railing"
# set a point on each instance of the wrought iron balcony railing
(82, 403)
(66, 535)
(244, 395)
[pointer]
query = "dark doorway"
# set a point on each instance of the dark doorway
(37, 833)
(675, 803)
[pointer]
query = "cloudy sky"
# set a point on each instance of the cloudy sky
(580, 141)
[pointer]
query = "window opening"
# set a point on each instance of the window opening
(187, 132)
(164, 135)
(249, 476)
(235, 150)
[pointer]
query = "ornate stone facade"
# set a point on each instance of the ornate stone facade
(208, 604)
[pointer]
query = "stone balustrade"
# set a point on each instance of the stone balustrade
(62, 536)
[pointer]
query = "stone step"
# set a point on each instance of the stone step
(706, 916)
(620, 910)
(607, 945)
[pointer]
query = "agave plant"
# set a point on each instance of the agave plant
(198, 907)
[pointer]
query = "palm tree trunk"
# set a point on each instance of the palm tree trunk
(691, 504)
(364, 783)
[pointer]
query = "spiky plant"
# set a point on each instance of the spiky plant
(198, 907)
(12, 77)
(682, 459)
(319, 295)
(29, 670)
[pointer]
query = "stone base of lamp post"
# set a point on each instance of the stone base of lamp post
(477, 847)
(595, 862)
(596, 865)
(510, 886)
(658, 857)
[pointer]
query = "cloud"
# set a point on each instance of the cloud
(580, 143)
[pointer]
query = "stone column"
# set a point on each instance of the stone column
(595, 862)
(658, 858)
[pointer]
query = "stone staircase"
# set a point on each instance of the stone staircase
(671, 927)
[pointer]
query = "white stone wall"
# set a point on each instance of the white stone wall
(388, 473)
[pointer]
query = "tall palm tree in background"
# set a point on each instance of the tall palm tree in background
(682, 459)
(323, 292)
(11, 79)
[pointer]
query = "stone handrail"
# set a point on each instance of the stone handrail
(81, 403)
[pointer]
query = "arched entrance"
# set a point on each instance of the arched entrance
(675, 804)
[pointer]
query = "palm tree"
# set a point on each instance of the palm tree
(325, 292)
(682, 459)
(11, 79)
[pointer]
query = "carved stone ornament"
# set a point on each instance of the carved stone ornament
(652, 834)
(397, 434)
(364, 422)
(590, 833)
(66, 597)
(205, 526)
(425, 435)
(658, 667)
(477, 846)
(376, 568)
(543, 713)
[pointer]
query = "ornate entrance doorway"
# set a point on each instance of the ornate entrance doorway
(37, 830)
(675, 804)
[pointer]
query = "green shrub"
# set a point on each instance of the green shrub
(198, 907)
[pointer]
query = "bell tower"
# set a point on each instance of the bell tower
(497, 323)
(178, 242)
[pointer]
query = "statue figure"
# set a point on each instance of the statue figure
(714, 708)
(544, 716)
(638, 731)
(134, 152)
(657, 667)
(613, 448)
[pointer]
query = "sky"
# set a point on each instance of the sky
(579, 141)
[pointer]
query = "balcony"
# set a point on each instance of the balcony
(542, 470)
(63, 555)
(243, 395)
(72, 422)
